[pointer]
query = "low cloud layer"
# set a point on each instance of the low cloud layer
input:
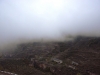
(55, 20)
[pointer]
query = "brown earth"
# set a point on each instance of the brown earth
(85, 51)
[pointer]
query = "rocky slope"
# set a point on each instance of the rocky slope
(81, 56)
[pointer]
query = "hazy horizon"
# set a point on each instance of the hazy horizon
(48, 20)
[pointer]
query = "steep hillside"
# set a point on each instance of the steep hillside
(81, 56)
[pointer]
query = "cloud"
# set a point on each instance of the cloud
(55, 20)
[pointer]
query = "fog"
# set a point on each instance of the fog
(47, 20)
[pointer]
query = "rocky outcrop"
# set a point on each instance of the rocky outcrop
(41, 65)
(55, 70)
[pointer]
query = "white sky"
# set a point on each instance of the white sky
(48, 19)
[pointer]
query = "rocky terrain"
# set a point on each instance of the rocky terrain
(78, 57)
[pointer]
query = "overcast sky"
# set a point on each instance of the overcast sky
(48, 19)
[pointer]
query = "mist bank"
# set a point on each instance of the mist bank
(47, 20)
(13, 45)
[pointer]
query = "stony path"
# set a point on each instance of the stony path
(6, 73)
